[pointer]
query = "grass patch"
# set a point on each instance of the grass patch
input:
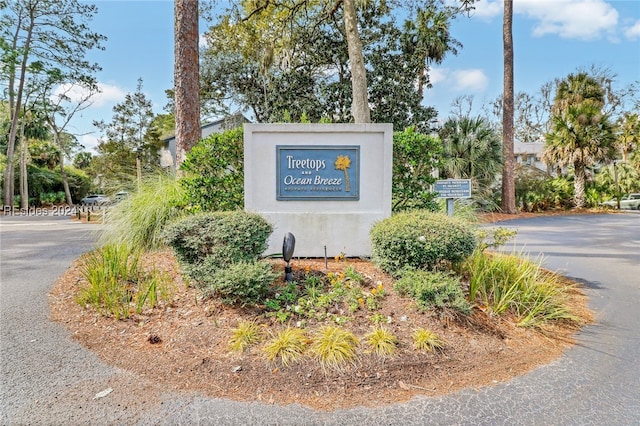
(117, 286)
(506, 282)
(138, 220)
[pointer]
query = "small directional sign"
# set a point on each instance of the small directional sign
(453, 188)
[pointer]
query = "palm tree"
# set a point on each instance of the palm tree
(629, 135)
(581, 134)
(472, 150)
(432, 38)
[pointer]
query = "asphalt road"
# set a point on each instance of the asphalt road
(46, 378)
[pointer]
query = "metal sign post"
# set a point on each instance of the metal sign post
(452, 189)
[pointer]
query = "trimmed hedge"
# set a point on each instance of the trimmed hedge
(420, 240)
(223, 237)
(220, 252)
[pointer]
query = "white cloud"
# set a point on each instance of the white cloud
(632, 32)
(437, 75)
(107, 93)
(474, 80)
(486, 10)
(90, 142)
(578, 19)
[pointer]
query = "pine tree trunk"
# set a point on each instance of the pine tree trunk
(360, 107)
(24, 177)
(186, 78)
(508, 177)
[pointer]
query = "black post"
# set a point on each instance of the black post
(288, 246)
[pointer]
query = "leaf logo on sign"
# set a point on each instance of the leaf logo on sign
(343, 162)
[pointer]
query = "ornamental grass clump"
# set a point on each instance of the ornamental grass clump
(334, 348)
(427, 340)
(247, 333)
(508, 283)
(382, 342)
(138, 220)
(420, 240)
(117, 286)
(287, 345)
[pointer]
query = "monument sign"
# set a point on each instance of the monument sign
(327, 184)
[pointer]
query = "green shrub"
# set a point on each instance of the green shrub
(138, 220)
(415, 154)
(221, 237)
(52, 198)
(241, 283)
(420, 240)
(433, 289)
(214, 172)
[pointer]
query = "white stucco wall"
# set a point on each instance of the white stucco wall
(341, 226)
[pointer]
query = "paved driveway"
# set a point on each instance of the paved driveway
(48, 379)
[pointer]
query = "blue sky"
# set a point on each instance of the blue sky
(552, 38)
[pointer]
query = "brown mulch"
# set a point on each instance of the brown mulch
(183, 346)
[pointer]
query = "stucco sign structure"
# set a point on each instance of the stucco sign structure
(327, 184)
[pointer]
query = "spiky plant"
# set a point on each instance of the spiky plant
(334, 347)
(383, 343)
(288, 345)
(427, 340)
(246, 334)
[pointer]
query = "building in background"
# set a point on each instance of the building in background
(168, 152)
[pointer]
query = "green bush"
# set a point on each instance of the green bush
(433, 289)
(241, 283)
(214, 172)
(139, 219)
(420, 240)
(415, 154)
(219, 237)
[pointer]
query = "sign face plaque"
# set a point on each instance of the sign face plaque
(453, 188)
(308, 173)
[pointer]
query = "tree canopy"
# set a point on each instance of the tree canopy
(294, 60)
